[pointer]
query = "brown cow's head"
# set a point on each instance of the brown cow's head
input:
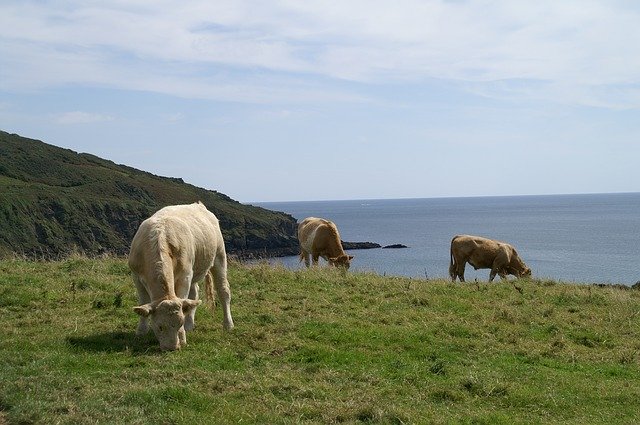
(167, 320)
(520, 270)
(517, 267)
(526, 272)
(341, 261)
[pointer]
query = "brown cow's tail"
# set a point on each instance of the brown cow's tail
(209, 292)
(452, 265)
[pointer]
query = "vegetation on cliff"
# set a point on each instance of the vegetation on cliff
(54, 201)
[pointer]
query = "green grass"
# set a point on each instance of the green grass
(318, 346)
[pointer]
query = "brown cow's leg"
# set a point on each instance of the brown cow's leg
(315, 258)
(492, 275)
(499, 272)
(499, 264)
(304, 255)
(460, 271)
(453, 271)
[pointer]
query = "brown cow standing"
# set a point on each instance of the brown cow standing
(483, 253)
(320, 238)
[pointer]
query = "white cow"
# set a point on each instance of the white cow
(171, 252)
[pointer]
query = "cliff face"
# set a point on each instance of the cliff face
(54, 201)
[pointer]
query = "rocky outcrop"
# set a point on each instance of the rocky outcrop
(394, 246)
(359, 245)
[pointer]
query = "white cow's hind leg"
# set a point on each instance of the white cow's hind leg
(222, 288)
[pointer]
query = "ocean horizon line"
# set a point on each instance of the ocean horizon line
(446, 197)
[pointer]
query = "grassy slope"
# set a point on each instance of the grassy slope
(319, 347)
(54, 201)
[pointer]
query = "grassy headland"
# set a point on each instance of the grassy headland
(318, 346)
(54, 202)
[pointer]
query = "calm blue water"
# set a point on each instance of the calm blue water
(579, 238)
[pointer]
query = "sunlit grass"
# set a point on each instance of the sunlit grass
(318, 346)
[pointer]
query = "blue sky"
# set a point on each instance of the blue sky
(313, 100)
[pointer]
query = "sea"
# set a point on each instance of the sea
(592, 238)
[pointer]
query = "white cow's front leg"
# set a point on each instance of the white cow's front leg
(143, 326)
(190, 318)
(143, 298)
(185, 288)
(182, 337)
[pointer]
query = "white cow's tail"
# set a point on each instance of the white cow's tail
(209, 292)
(164, 265)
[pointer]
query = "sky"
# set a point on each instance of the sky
(323, 100)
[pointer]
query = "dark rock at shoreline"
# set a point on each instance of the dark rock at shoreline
(636, 286)
(395, 245)
(294, 250)
(359, 245)
(256, 254)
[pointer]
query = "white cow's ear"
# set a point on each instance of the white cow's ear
(188, 304)
(143, 310)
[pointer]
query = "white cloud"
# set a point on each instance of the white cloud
(79, 117)
(176, 117)
(263, 51)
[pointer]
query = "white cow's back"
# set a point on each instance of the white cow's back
(189, 234)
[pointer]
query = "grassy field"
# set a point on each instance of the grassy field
(318, 346)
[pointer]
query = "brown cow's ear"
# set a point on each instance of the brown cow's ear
(188, 304)
(143, 310)
(350, 257)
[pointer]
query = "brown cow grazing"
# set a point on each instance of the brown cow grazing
(320, 238)
(483, 253)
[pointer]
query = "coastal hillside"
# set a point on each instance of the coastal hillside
(55, 201)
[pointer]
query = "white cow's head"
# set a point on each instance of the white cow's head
(167, 320)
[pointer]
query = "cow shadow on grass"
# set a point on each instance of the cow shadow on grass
(115, 342)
